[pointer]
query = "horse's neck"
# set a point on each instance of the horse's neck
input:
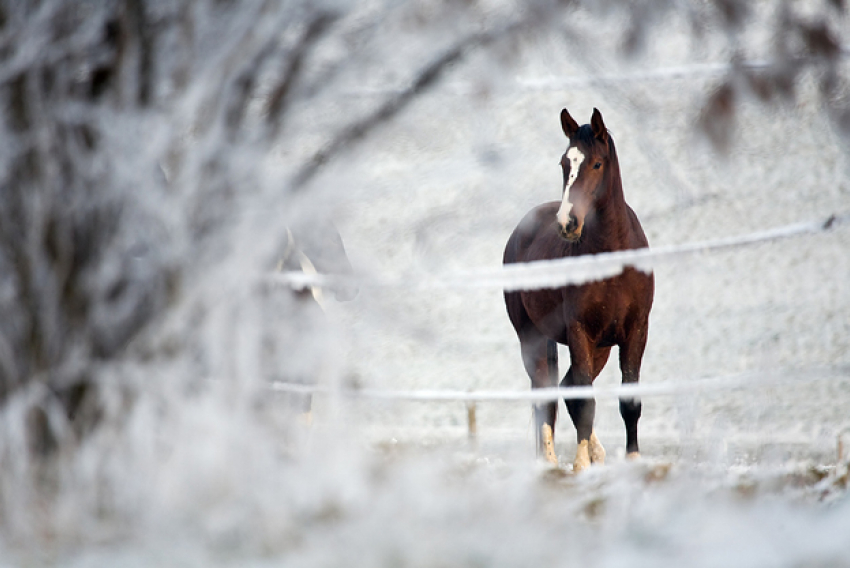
(611, 223)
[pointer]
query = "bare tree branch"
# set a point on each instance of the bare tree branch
(280, 97)
(425, 79)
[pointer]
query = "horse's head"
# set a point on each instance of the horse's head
(585, 164)
(317, 248)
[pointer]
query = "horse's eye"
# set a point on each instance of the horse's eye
(597, 165)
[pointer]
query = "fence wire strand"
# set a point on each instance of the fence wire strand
(786, 377)
(562, 271)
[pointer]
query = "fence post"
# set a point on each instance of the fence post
(841, 435)
(471, 421)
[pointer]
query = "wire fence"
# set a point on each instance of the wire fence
(785, 378)
(558, 272)
(566, 271)
(742, 381)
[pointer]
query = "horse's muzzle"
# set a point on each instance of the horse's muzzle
(572, 230)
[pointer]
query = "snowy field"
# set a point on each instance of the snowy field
(435, 197)
(743, 476)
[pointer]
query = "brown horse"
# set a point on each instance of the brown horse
(589, 319)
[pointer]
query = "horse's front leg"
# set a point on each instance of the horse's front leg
(582, 411)
(540, 357)
(597, 451)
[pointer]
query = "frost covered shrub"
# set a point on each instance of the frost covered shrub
(83, 262)
(126, 169)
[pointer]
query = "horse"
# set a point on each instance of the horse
(591, 218)
(314, 246)
(296, 331)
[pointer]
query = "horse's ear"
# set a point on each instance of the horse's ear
(598, 126)
(569, 125)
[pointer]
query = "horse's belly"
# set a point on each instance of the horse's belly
(604, 309)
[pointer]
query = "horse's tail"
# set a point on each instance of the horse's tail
(552, 361)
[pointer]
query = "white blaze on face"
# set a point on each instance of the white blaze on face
(575, 156)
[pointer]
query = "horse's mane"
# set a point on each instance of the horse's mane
(584, 135)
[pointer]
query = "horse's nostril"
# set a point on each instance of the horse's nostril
(572, 224)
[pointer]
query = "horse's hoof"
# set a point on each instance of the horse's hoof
(548, 439)
(597, 451)
(582, 460)
(633, 456)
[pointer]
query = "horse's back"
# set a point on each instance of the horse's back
(516, 250)
(536, 223)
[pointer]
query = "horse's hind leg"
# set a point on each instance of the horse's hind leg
(631, 354)
(540, 357)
